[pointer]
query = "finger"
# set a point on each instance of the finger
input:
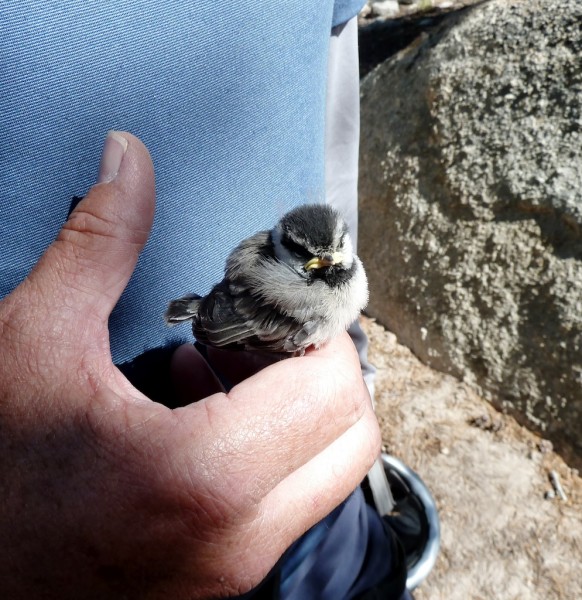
(192, 377)
(312, 491)
(86, 269)
(279, 419)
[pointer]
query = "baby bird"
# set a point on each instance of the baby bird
(284, 290)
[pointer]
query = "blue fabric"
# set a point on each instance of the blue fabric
(344, 10)
(230, 103)
(342, 556)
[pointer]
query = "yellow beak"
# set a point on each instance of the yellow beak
(318, 262)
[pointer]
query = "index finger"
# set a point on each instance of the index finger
(280, 418)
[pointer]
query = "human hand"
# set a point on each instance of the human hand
(106, 494)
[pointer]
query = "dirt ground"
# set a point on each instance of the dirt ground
(502, 537)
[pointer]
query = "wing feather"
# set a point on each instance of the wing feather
(241, 321)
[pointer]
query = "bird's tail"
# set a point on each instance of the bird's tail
(183, 309)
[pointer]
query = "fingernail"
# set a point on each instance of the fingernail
(113, 151)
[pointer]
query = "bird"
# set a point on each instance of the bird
(296, 286)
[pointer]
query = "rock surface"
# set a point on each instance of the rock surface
(381, 37)
(401, 8)
(503, 537)
(471, 204)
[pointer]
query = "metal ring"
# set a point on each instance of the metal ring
(419, 571)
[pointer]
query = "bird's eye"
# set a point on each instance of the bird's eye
(296, 248)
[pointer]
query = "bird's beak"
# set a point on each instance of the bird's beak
(328, 260)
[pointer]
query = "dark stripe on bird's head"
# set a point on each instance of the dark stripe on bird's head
(311, 224)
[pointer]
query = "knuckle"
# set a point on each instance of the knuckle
(85, 223)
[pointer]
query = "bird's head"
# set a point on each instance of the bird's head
(313, 239)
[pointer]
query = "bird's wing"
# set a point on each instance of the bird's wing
(239, 320)
(183, 309)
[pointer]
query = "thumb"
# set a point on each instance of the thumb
(88, 266)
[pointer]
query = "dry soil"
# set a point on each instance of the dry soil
(503, 535)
